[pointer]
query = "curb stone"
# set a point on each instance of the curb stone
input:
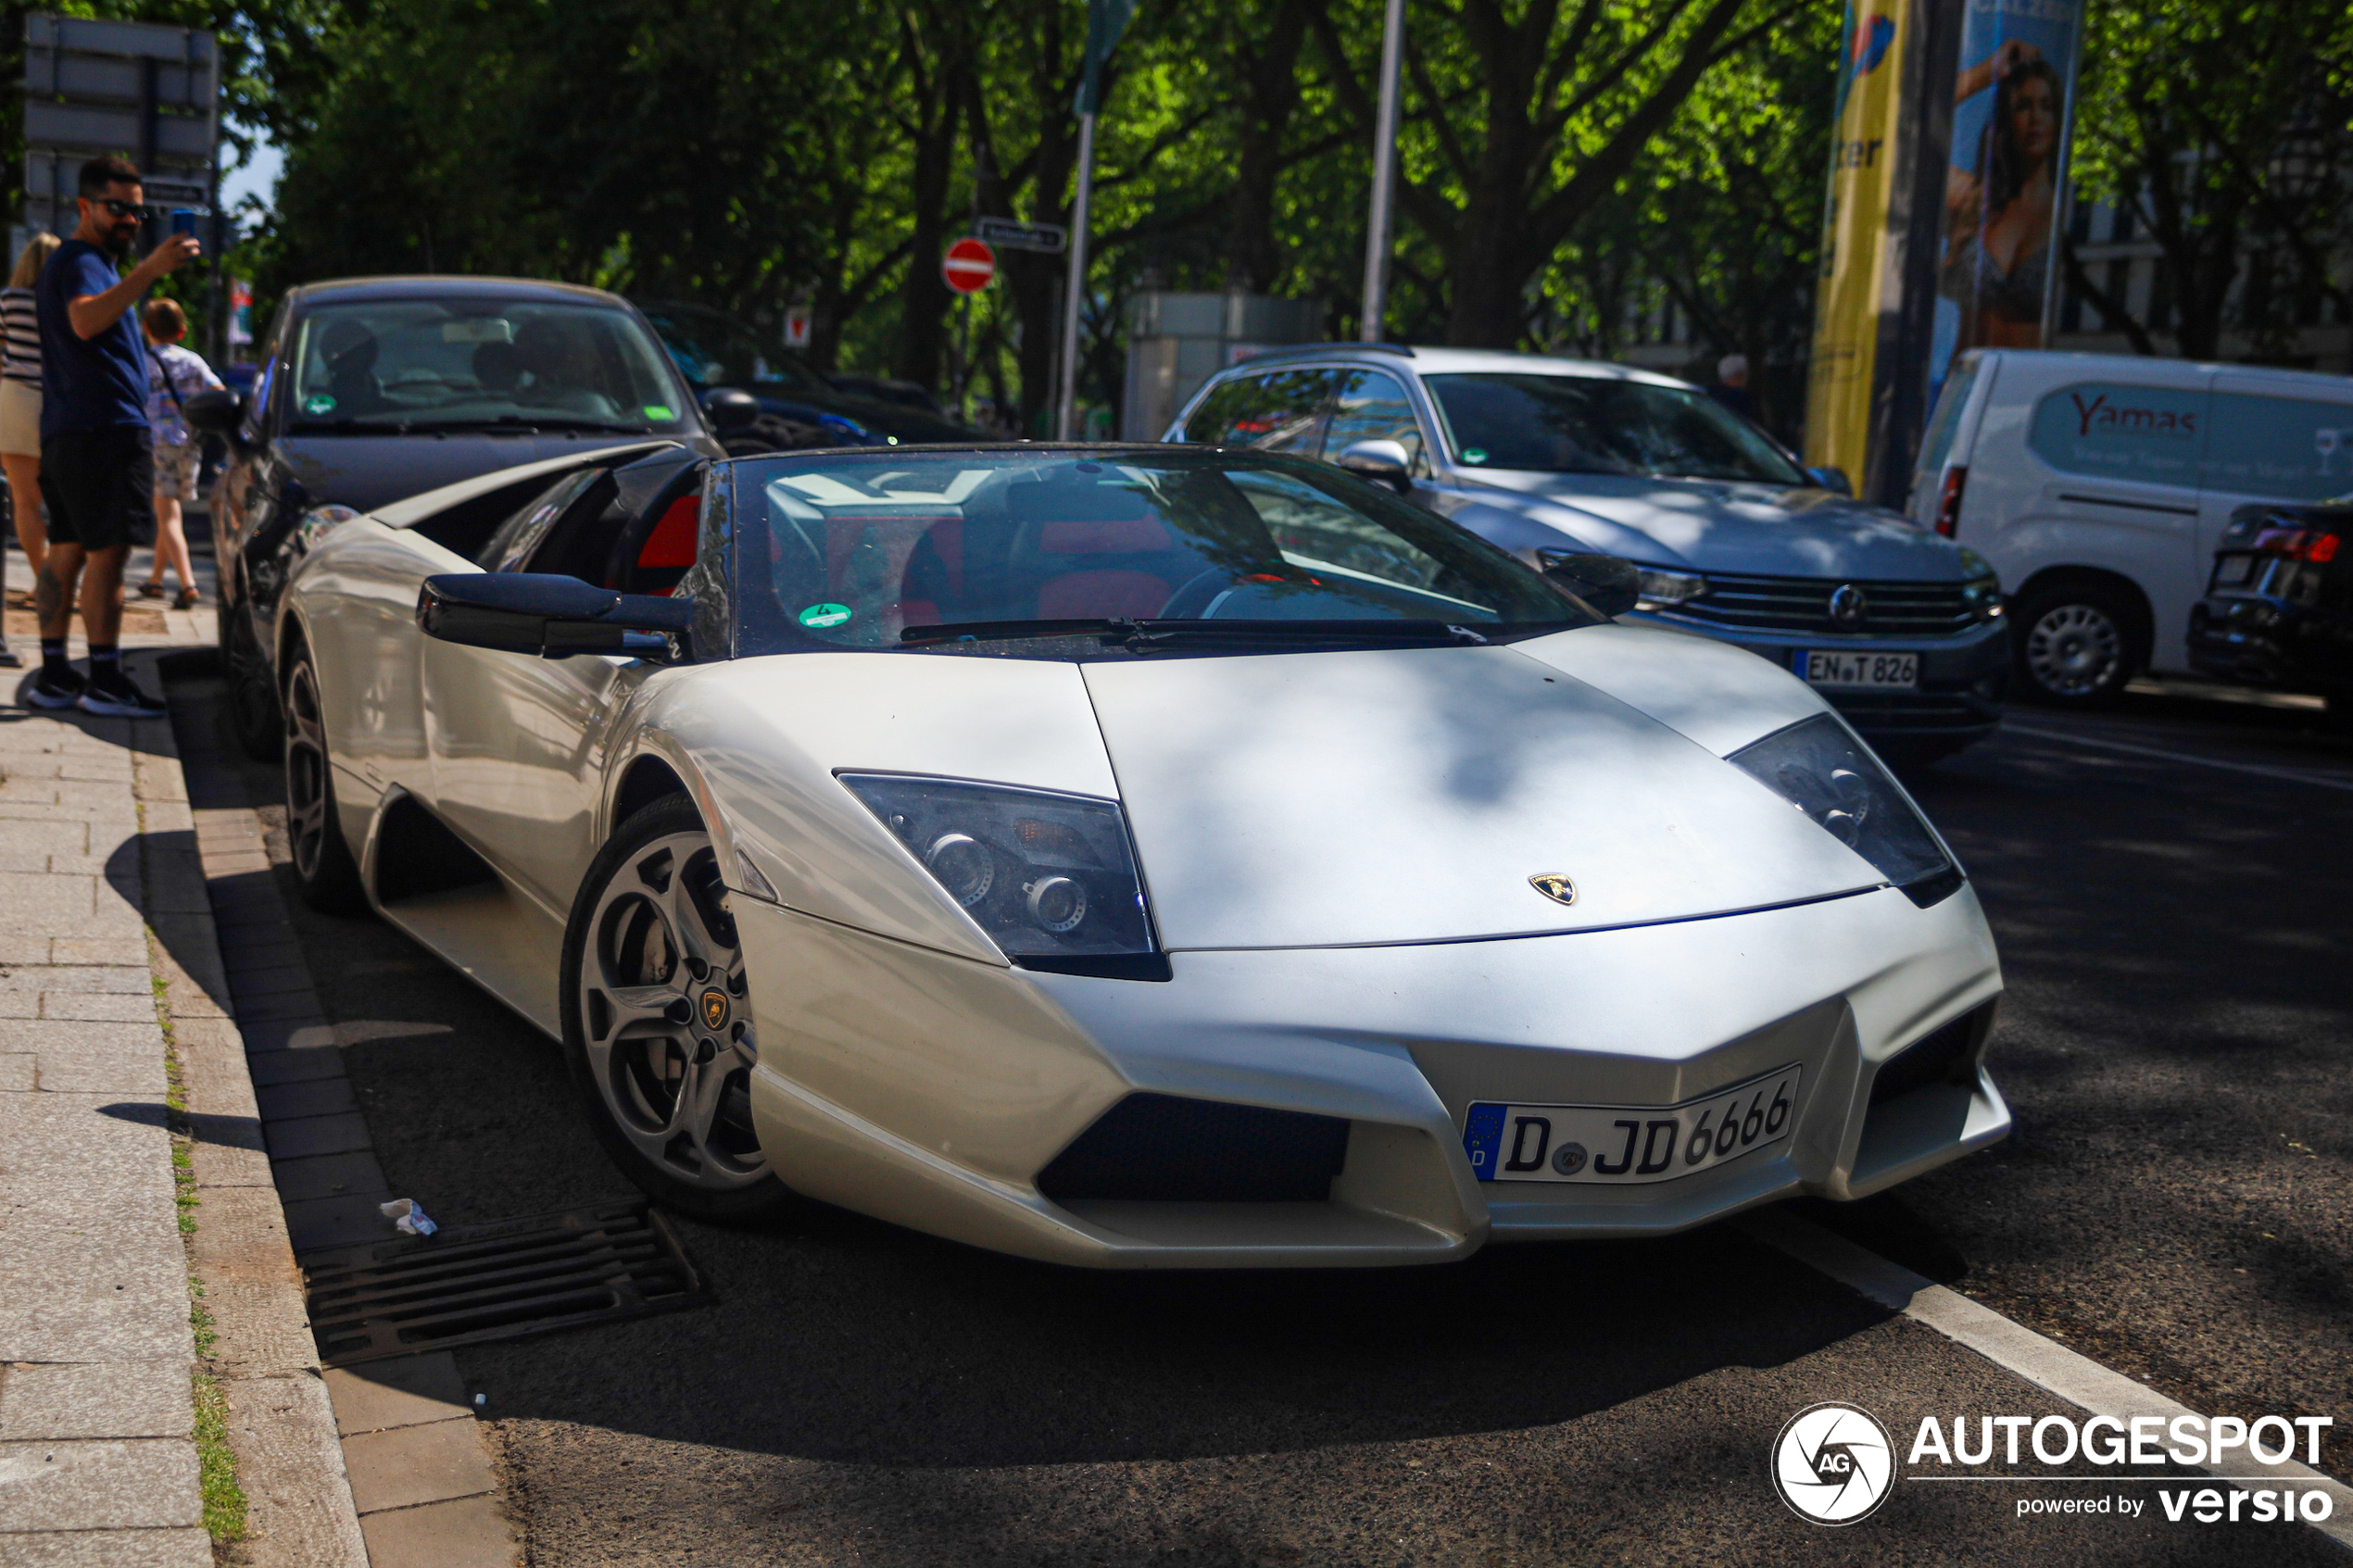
(300, 1511)
(421, 1482)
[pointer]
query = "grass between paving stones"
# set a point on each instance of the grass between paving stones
(224, 1501)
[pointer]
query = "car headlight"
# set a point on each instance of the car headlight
(1817, 765)
(1982, 591)
(1049, 877)
(1665, 589)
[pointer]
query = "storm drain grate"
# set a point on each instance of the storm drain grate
(499, 1281)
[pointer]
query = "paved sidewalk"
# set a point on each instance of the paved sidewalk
(99, 1412)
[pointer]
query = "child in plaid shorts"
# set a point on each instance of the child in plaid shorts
(174, 375)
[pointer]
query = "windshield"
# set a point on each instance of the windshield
(1592, 424)
(713, 349)
(452, 364)
(879, 551)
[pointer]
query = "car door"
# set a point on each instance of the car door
(2107, 477)
(516, 742)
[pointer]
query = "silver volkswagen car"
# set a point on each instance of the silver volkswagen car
(1550, 458)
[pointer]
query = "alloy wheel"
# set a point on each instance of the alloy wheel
(2075, 650)
(663, 1017)
(307, 786)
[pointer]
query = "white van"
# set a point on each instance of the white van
(2098, 485)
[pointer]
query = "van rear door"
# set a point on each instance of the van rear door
(2278, 435)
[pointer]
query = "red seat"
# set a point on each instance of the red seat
(671, 543)
(1079, 596)
(1140, 536)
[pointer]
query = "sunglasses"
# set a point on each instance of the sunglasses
(122, 209)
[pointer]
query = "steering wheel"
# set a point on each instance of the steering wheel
(1194, 595)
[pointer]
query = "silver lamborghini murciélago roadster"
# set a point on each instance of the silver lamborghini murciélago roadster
(1126, 856)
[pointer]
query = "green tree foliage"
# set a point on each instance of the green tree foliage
(2226, 128)
(1569, 168)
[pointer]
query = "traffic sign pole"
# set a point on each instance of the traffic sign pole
(1066, 413)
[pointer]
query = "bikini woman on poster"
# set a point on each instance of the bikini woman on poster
(1998, 215)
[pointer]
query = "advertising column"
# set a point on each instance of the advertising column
(1867, 393)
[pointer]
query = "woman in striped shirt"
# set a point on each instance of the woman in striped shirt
(20, 396)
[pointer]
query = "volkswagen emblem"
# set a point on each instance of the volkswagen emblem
(714, 1010)
(1848, 606)
(1553, 885)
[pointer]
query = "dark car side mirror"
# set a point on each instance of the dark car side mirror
(215, 413)
(1383, 462)
(1611, 584)
(730, 408)
(1832, 479)
(549, 615)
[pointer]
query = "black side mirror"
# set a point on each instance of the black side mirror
(549, 615)
(730, 408)
(1832, 479)
(1383, 462)
(215, 413)
(1610, 583)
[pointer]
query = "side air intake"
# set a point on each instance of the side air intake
(1948, 1055)
(1168, 1149)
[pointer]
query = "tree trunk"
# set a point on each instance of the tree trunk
(1253, 257)
(923, 295)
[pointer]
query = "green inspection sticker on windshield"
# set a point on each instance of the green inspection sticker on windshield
(822, 618)
(657, 411)
(318, 403)
(1474, 454)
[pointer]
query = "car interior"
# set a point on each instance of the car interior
(631, 528)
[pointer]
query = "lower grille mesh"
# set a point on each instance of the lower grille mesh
(1168, 1148)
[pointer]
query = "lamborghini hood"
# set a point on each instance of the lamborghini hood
(1394, 795)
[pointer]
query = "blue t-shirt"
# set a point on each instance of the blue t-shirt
(87, 384)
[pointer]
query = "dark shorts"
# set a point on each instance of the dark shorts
(99, 486)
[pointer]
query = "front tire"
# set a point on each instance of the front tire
(2078, 644)
(656, 1023)
(324, 871)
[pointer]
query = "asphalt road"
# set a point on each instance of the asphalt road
(2178, 1203)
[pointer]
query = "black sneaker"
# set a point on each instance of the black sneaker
(55, 688)
(118, 698)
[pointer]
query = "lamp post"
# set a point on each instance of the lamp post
(1377, 221)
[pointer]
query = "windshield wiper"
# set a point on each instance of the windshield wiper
(505, 424)
(1142, 636)
(567, 421)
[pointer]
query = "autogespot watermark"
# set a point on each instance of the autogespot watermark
(1835, 1463)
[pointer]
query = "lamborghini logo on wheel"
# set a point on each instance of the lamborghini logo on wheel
(1553, 885)
(714, 1009)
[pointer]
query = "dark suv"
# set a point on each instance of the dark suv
(798, 406)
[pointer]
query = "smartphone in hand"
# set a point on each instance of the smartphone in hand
(183, 221)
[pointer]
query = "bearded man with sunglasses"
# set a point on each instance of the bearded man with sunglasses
(97, 470)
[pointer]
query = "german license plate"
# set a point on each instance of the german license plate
(1900, 671)
(1622, 1144)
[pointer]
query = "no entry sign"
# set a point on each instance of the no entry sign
(969, 264)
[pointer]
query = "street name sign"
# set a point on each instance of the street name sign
(1011, 234)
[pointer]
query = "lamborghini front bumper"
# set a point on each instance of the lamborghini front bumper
(932, 1091)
